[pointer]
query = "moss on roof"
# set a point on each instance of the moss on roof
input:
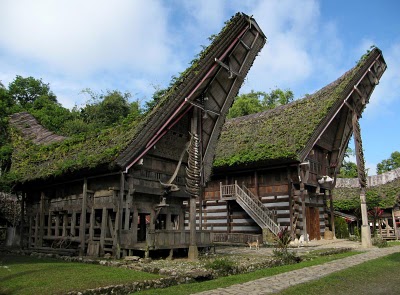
(282, 133)
(32, 161)
(383, 196)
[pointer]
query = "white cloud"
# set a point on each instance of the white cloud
(286, 60)
(84, 36)
(387, 92)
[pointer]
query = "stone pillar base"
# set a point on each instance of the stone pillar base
(366, 236)
(193, 253)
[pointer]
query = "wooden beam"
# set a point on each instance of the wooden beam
(41, 223)
(104, 217)
(82, 228)
(91, 224)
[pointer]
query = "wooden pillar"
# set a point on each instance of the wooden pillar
(256, 184)
(82, 228)
(64, 228)
(91, 225)
(30, 239)
(193, 251)
(332, 215)
(73, 223)
(104, 217)
(127, 210)
(168, 223)
(134, 226)
(37, 220)
(365, 229)
(49, 223)
(303, 211)
(118, 217)
(394, 225)
(22, 220)
(41, 223)
(57, 225)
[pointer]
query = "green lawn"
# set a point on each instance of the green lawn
(379, 276)
(242, 278)
(29, 275)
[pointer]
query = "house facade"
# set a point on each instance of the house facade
(127, 188)
(278, 168)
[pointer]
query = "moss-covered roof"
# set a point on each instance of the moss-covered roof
(113, 147)
(282, 134)
(383, 196)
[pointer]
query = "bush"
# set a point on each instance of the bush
(379, 242)
(222, 265)
(341, 228)
(357, 236)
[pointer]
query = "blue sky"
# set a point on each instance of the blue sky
(137, 46)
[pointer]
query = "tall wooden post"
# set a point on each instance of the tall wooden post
(193, 251)
(82, 228)
(118, 217)
(104, 217)
(22, 221)
(332, 214)
(365, 229)
(41, 223)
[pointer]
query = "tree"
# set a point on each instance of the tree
(389, 164)
(258, 101)
(26, 90)
(246, 104)
(155, 99)
(277, 97)
(348, 168)
(104, 110)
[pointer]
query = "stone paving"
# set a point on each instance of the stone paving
(277, 283)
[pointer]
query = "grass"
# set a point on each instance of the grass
(242, 278)
(394, 243)
(29, 275)
(378, 276)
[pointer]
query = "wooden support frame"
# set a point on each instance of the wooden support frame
(82, 228)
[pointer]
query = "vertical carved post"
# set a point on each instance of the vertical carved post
(365, 230)
(191, 185)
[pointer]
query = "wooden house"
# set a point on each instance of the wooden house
(383, 201)
(125, 188)
(278, 168)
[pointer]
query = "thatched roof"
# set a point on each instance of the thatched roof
(32, 130)
(115, 148)
(286, 133)
(382, 191)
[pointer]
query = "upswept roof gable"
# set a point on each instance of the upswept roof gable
(114, 148)
(287, 132)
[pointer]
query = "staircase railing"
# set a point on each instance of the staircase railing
(252, 205)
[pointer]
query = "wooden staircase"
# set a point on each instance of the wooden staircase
(264, 217)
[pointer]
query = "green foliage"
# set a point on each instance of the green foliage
(348, 170)
(281, 252)
(245, 104)
(389, 164)
(26, 90)
(258, 101)
(383, 196)
(222, 265)
(277, 97)
(341, 228)
(379, 242)
(281, 134)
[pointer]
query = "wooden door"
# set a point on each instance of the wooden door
(312, 215)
